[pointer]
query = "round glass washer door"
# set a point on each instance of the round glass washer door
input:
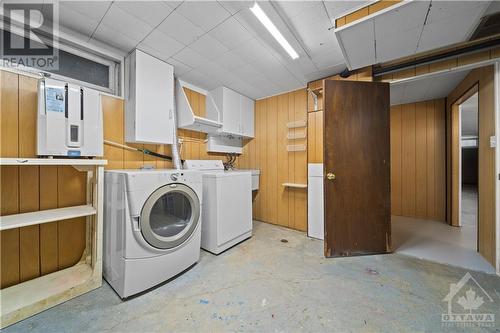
(169, 216)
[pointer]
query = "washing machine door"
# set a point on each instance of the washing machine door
(169, 216)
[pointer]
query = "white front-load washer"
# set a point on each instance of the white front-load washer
(152, 226)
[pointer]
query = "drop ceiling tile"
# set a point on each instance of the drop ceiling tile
(130, 26)
(250, 51)
(200, 80)
(447, 31)
(179, 67)
(166, 45)
(313, 36)
(328, 57)
(229, 61)
(76, 21)
(151, 51)
(398, 45)
(406, 17)
(180, 28)
(152, 12)
(108, 35)
(190, 57)
(92, 9)
(359, 44)
(333, 70)
(444, 9)
(235, 6)
(173, 4)
(208, 47)
(294, 8)
(205, 14)
(339, 8)
(230, 33)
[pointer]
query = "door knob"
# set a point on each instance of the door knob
(330, 176)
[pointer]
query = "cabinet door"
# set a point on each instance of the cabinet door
(231, 112)
(247, 116)
(149, 105)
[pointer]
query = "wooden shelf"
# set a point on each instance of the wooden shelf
(30, 297)
(45, 216)
(296, 124)
(296, 148)
(294, 185)
(51, 161)
(295, 136)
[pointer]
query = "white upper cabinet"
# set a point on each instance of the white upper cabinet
(236, 112)
(247, 116)
(149, 99)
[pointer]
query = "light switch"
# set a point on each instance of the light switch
(493, 141)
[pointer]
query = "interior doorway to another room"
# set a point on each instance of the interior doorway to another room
(469, 163)
(435, 163)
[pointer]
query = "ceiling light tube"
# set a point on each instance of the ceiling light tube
(264, 19)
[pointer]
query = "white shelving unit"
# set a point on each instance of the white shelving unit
(28, 298)
(185, 116)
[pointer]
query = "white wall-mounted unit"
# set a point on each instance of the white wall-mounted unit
(224, 144)
(149, 99)
(236, 112)
(69, 121)
(187, 119)
(425, 25)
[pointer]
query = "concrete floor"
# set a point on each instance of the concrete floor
(266, 285)
(468, 209)
(439, 242)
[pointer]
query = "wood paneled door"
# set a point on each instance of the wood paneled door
(357, 168)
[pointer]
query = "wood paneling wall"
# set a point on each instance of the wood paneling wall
(36, 250)
(418, 161)
(484, 78)
(273, 202)
(33, 251)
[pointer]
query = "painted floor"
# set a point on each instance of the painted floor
(439, 242)
(266, 285)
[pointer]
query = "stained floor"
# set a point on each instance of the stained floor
(266, 285)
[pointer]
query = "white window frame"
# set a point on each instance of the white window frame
(67, 42)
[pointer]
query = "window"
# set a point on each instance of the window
(79, 66)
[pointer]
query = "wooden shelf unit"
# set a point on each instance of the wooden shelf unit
(31, 297)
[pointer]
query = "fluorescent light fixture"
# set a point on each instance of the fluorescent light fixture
(264, 19)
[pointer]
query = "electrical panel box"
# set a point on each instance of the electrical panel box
(69, 121)
(149, 99)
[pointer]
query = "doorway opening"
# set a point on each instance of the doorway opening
(437, 191)
(469, 164)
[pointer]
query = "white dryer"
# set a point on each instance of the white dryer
(151, 226)
(227, 205)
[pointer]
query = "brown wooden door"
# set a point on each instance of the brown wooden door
(357, 153)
